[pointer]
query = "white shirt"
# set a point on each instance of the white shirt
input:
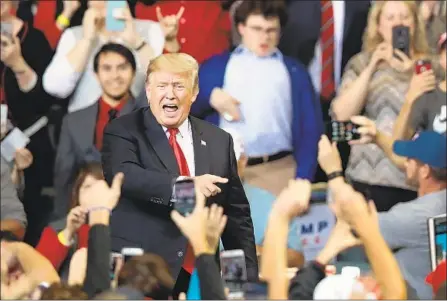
(315, 65)
(184, 139)
(61, 80)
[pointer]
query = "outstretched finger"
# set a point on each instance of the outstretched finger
(117, 182)
(180, 12)
(159, 14)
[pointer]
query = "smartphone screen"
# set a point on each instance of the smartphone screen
(234, 272)
(112, 23)
(255, 291)
(184, 196)
(339, 131)
(401, 39)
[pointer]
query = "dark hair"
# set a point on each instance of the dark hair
(439, 174)
(116, 48)
(148, 273)
(62, 291)
(267, 8)
(93, 169)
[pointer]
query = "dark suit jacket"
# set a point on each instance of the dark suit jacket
(136, 145)
(302, 31)
(76, 147)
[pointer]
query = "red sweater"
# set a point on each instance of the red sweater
(50, 246)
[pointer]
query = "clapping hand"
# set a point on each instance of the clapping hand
(225, 104)
(169, 24)
(294, 199)
(400, 61)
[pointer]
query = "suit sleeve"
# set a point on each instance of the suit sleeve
(239, 233)
(120, 154)
(64, 170)
(306, 134)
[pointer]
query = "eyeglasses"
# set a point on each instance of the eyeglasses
(269, 31)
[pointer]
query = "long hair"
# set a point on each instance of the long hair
(372, 37)
(93, 169)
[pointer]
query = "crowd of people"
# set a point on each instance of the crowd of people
(106, 108)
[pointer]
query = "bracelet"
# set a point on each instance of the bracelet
(63, 240)
(334, 175)
(63, 20)
(98, 208)
(143, 43)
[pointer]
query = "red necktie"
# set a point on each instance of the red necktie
(327, 50)
(188, 263)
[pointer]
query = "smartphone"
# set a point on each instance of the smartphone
(255, 291)
(112, 23)
(6, 28)
(422, 66)
(401, 39)
(234, 272)
(339, 131)
(184, 196)
(128, 253)
(114, 258)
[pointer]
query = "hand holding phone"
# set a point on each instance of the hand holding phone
(401, 39)
(422, 66)
(234, 272)
(342, 131)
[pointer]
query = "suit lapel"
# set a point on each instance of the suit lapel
(201, 153)
(84, 126)
(159, 141)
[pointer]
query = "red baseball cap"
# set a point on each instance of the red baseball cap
(438, 276)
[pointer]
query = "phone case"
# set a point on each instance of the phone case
(401, 39)
(112, 23)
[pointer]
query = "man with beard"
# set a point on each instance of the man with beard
(82, 131)
(404, 226)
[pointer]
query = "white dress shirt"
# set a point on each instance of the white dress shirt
(184, 139)
(61, 80)
(315, 65)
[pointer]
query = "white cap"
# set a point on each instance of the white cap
(237, 141)
(351, 272)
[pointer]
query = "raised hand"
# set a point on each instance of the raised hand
(215, 225)
(367, 130)
(293, 200)
(11, 51)
(328, 155)
(23, 159)
(169, 24)
(99, 194)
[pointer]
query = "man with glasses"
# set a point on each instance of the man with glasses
(266, 97)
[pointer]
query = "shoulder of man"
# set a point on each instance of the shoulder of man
(209, 128)
(131, 122)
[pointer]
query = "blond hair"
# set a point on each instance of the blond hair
(179, 63)
(372, 37)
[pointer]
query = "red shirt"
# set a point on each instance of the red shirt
(50, 246)
(204, 29)
(103, 119)
(44, 21)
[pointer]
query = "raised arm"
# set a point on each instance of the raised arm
(351, 97)
(71, 58)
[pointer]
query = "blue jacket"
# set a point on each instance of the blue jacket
(307, 123)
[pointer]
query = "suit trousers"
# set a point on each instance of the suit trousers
(272, 176)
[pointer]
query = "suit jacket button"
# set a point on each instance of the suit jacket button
(180, 253)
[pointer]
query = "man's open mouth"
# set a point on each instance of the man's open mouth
(170, 108)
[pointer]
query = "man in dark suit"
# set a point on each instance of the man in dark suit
(324, 35)
(155, 146)
(81, 133)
